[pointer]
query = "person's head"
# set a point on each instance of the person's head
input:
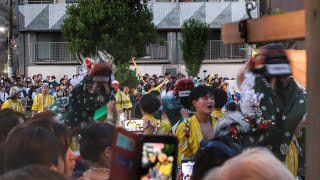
(95, 143)
(212, 154)
(216, 76)
(137, 92)
(147, 87)
(231, 106)
(65, 81)
(33, 172)
(57, 88)
(167, 75)
(8, 120)
(49, 115)
(35, 78)
(220, 98)
(14, 93)
(48, 78)
(65, 76)
(45, 89)
(66, 157)
(53, 77)
(256, 163)
(31, 145)
(3, 88)
(155, 93)
(149, 104)
(202, 99)
(39, 77)
(224, 86)
(146, 79)
(126, 90)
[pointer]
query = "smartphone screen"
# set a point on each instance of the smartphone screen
(187, 167)
(158, 159)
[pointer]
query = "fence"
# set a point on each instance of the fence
(23, 2)
(58, 52)
(51, 53)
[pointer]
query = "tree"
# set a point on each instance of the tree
(120, 27)
(126, 76)
(194, 43)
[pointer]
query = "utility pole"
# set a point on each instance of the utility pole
(312, 10)
(10, 63)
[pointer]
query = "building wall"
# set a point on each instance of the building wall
(53, 70)
(60, 70)
(286, 5)
(35, 17)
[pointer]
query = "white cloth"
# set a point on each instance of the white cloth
(4, 96)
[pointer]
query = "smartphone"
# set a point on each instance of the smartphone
(158, 156)
(187, 167)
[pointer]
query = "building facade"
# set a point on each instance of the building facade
(43, 46)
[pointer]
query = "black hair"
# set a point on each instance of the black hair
(31, 145)
(155, 93)
(220, 98)
(147, 87)
(8, 120)
(94, 140)
(166, 74)
(34, 76)
(33, 172)
(231, 106)
(200, 91)
(149, 103)
(211, 157)
(60, 131)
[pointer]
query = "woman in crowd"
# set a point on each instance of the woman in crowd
(66, 156)
(95, 146)
(198, 127)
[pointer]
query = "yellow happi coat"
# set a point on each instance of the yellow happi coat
(9, 104)
(189, 145)
(164, 126)
(38, 103)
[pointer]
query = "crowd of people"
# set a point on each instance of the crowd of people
(229, 134)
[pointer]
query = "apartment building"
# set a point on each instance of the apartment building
(43, 49)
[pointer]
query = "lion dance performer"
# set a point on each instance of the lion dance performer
(272, 107)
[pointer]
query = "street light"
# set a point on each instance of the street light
(2, 29)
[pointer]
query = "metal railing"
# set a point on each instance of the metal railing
(23, 2)
(51, 53)
(58, 52)
(217, 50)
(156, 52)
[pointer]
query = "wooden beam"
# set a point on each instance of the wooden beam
(312, 9)
(269, 28)
(298, 60)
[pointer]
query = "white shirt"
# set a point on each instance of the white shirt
(4, 96)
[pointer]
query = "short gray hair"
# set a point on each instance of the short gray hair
(256, 163)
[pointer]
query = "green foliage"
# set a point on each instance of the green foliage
(126, 76)
(194, 42)
(120, 27)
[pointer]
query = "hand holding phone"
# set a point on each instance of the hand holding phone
(187, 168)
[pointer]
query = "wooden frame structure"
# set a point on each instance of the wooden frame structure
(304, 24)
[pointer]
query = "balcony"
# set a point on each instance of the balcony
(51, 53)
(217, 52)
(24, 2)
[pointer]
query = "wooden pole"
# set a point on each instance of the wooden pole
(312, 10)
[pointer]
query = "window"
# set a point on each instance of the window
(71, 1)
